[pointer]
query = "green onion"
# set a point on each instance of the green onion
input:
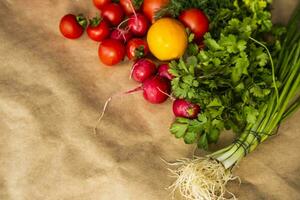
(206, 178)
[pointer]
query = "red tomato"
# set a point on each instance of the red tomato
(98, 29)
(136, 48)
(195, 20)
(113, 13)
(151, 6)
(121, 35)
(111, 52)
(127, 6)
(138, 24)
(72, 26)
(100, 3)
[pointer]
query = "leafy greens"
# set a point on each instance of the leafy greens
(232, 76)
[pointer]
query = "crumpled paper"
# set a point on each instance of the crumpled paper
(51, 93)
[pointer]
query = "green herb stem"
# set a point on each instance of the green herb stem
(272, 65)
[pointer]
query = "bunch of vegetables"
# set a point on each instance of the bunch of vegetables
(247, 79)
(132, 28)
(224, 64)
(117, 36)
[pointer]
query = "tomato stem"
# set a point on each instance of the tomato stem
(81, 19)
(139, 52)
(95, 21)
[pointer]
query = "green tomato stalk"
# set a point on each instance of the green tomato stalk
(205, 178)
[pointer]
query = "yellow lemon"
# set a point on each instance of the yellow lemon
(167, 39)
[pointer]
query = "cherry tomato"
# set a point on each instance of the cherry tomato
(113, 13)
(72, 26)
(138, 24)
(101, 3)
(151, 6)
(121, 35)
(195, 20)
(98, 29)
(136, 48)
(111, 52)
(127, 6)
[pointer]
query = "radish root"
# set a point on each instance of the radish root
(126, 20)
(131, 71)
(201, 179)
(102, 114)
(170, 96)
(109, 100)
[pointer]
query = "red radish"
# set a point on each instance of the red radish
(101, 3)
(163, 71)
(143, 69)
(72, 26)
(195, 20)
(155, 89)
(121, 35)
(113, 13)
(98, 29)
(138, 24)
(186, 109)
(136, 48)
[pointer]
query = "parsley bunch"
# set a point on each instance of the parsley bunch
(233, 76)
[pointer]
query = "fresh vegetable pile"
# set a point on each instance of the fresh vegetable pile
(129, 28)
(222, 62)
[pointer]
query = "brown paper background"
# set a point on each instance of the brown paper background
(51, 91)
